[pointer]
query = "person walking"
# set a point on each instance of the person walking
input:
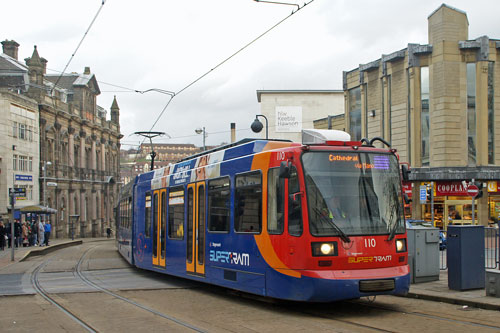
(47, 233)
(41, 232)
(18, 233)
(3, 236)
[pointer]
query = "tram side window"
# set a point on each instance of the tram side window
(176, 213)
(248, 202)
(147, 215)
(129, 213)
(219, 203)
(275, 202)
(294, 210)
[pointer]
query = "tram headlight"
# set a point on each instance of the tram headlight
(401, 245)
(321, 249)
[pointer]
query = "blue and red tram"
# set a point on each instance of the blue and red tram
(319, 221)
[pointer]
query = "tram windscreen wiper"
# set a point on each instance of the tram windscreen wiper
(342, 234)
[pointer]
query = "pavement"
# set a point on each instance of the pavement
(437, 291)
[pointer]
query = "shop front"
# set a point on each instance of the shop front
(452, 204)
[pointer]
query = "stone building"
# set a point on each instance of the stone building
(79, 148)
(436, 104)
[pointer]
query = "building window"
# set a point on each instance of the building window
(30, 163)
(14, 162)
(355, 113)
(471, 113)
(424, 115)
(23, 163)
(14, 129)
(491, 113)
(22, 131)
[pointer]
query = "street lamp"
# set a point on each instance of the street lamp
(257, 125)
(199, 131)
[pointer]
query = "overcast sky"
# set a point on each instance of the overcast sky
(166, 44)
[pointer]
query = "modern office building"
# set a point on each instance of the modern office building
(438, 104)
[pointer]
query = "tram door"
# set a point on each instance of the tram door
(159, 226)
(195, 254)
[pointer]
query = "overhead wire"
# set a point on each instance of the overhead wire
(227, 59)
(69, 61)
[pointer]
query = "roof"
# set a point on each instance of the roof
(69, 81)
(9, 64)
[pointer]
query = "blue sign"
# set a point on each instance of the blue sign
(24, 178)
(423, 193)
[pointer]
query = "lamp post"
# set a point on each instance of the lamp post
(257, 125)
(200, 131)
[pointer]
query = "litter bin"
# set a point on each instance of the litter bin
(465, 257)
(423, 254)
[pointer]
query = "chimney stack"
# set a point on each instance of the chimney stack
(233, 132)
(10, 48)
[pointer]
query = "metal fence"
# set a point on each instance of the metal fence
(491, 251)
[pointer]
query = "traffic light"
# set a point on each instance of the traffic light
(429, 192)
(480, 189)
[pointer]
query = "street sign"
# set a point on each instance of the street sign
(18, 191)
(472, 190)
(423, 193)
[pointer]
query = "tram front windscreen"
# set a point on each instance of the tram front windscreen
(356, 193)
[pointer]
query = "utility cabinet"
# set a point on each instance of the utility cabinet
(423, 254)
(465, 257)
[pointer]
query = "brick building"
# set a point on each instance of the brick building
(436, 104)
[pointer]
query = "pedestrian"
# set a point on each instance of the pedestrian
(34, 229)
(24, 234)
(47, 233)
(18, 233)
(41, 232)
(3, 236)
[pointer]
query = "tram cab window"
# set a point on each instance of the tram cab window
(248, 202)
(176, 213)
(219, 203)
(275, 202)
(147, 215)
(294, 210)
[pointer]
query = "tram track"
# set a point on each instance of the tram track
(77, 272)
(364, 307)
(40, 291)
(425, 315)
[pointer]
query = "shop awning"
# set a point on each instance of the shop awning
(38, 209)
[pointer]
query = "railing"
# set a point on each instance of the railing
(491, 250)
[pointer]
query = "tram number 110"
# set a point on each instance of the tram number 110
(370, 242)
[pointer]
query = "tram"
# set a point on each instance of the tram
(316, 221)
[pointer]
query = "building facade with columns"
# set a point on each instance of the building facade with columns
(79, 149)
(438, 104)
